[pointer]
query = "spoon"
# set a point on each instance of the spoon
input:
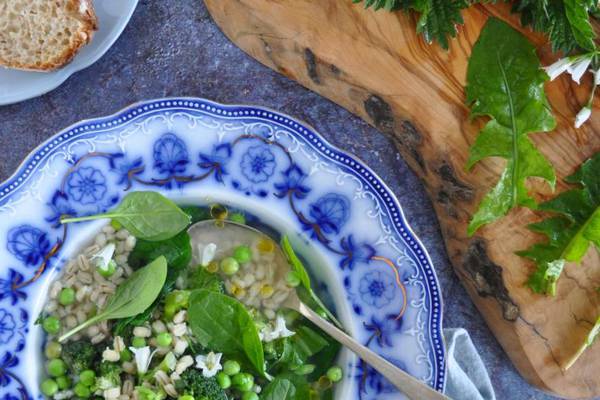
(227, 235)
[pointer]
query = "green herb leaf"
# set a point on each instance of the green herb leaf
(438, 19)
(570, 233)
(178, 253)
(299, 269)
(223, 324)
(279, 389)
(132, 297)
(297, 349)
(380, 4)
(146, 215)
(177, 250)
(286, 387)
(566, 22)
(506, 83)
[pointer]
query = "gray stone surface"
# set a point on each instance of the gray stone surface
(172, 48)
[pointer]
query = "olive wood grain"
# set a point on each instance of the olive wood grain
(373, 64)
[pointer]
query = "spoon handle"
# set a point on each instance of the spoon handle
(410, 386)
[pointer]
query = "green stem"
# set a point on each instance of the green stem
(87, 218)
(575, 356)
(80, 327)
(327, 312)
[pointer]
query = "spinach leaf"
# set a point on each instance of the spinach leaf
(124, 326)
(571, 232)
(301, 272)
(177, 250)
(178, 253)
(196, 213)
(221, 323)
(286, 387)
(132, 297)
(279, 389)
(506, 83)
(297, 349)
(147, 215)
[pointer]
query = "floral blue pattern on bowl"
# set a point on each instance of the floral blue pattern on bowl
(339, 214)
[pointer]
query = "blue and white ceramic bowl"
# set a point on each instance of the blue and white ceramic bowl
(340, 215)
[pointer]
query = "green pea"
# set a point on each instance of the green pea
(292, 279)
(57, 367)
(66, 296)
(109, 270)
(243, 381)
(82, 391)
(305, 369)
(164, 339)
(223, 380)
(175, 301)
(49, 387)
(249, 396)
(231, 367)
(229, 266)
(242, 254)
(126, 355)
(53, 350)
(185, 397)
(64, 382)
(51, 325)
(170, 310)
(87, 377)
(335, 374)
(138, 342)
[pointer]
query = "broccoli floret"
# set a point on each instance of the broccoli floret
(193, 383)
(79, 355)
(109, 375)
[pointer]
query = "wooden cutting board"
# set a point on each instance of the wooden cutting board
(373, 64)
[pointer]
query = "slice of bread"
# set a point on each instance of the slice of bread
(44, 35)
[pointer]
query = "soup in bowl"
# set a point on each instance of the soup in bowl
(151, 310)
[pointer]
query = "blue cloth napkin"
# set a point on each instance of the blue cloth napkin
(467, 377)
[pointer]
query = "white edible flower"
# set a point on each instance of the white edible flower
(281, 329)
(268, 333)
(558, 68)
(578, 68)
(143, 358)
(208, 254)
(103, 258)
(583, 115)
(210, 364)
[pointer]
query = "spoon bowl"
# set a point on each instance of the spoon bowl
(227, 235)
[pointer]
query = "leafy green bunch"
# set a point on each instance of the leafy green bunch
(565, 22)
(570, 232)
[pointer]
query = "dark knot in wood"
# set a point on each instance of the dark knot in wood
(487, 278)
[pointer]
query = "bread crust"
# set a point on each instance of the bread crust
(83, 10)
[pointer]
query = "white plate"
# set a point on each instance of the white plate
(113, 16)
